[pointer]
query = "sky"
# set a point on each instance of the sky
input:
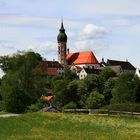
(109, 28)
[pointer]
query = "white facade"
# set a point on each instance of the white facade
(60, 71)
(90, 66)
(75, 69)
(82, 74)
(137, 73)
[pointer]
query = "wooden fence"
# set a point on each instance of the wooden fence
(99, 111)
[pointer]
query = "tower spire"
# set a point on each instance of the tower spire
(62, 45)
(62, 26)
(62, 37)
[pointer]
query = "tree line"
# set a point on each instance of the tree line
(22, 87)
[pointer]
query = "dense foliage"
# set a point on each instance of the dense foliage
(96, 91)
(22, 86)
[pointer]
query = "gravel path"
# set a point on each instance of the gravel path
(8, 115)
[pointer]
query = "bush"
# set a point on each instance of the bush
(124, 107)
(16, 101)
(70, 105)
(37, 106)
(123, 91)
(33, 108)
(95, 100)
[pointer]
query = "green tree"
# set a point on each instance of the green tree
(123, 91)
(104, 75)
(95, 100)
(137, 89)
(20, 75)
(91, 82)
(109, 85)
(82, 93)
(73, 91)
(54, 79)
(60, 92)
(70, 105)
(16, 101)
(19, 60)
(68, 74)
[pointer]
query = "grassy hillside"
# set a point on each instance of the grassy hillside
(57, 126)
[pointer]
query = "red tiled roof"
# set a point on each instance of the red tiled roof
(81, 58)
(48, 67)
(52, 64)
(48, 98)
(52, 71)
(45, 70)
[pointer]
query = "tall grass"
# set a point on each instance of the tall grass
(58, 126)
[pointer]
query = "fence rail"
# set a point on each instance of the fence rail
(100, 111)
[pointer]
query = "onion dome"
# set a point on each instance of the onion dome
(62, 37)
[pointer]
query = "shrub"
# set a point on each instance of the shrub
(123, 91)
(16, 101)
(95, 100)
(124, 107)
(70, 105)
(37, 106)
(33, 108)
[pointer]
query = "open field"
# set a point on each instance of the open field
(58, 126)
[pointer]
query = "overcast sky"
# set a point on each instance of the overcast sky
(110, 28)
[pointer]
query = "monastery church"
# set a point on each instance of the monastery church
(84, 62)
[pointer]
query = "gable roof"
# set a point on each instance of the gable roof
(103, 63)
(51, 64)
(125, 65)
(48, 67)
(52, 71)
(81, 58)
(48, 98)
(117, 69)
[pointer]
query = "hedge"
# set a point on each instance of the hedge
(124, 107)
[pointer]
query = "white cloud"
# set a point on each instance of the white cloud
(92, 31)
(24, 20)
(135, 28)
(7, 19)
(47, 49)
(91, 45)
(67, 8)
(7, 46)
(92, 37)
(110, 7)
(121, 21)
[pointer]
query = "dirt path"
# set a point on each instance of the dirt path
(9, 115)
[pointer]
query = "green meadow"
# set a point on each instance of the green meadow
(59, 126)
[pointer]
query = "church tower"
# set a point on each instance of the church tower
(62, 45)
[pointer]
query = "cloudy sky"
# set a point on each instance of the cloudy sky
(110, 28)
